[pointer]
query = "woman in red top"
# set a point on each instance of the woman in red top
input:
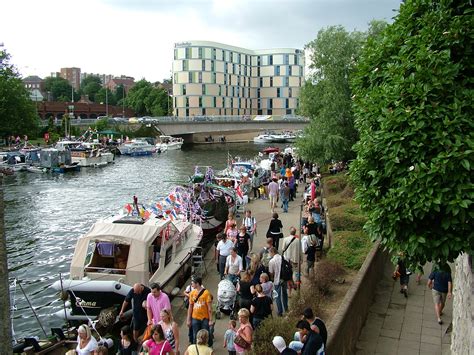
(158, 345)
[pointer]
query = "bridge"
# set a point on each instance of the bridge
(195, 129)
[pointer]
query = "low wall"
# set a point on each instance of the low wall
(349, 319)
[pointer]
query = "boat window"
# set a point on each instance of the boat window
(155, 251)
(108, 258)
(169, 254)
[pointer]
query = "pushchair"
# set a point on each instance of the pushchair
(226, 299)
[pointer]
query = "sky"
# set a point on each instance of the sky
(136, 37)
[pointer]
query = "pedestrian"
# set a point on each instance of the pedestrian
(244, 287)
(137, 295)
(86, 343)
(256, 185)
(279, 285)
(223, 248)
(200, 308)
(245, 332)
(230, 222)
(155, 302)
(280, 344)
(216, 252)
(261, 307)
(251, 224)
(127, 345)
(312, 341)
(273, 191)
(229, 337)
(292, 252)
(232, 232)
(274, 230)
(441, 285)
(285, 196)
(310, 253)
(265, 253)
(201, 347)
(401, 270)
(187, 292)
(256, 268)
(242, 244)
(158, 344)
(170, 329)
(317, 325)
(233, 266)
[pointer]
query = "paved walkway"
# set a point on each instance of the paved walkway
(396, 325)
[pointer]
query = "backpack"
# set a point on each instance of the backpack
(286, 270)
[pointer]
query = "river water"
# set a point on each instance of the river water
(46, 213)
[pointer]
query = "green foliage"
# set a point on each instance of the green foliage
(90, 86)
(335, 183)
(17, 112)
(413, 104)
(350, 248)
(347, 217)
(263, 336)
(145, 99)
(60, 89)
(104, 95)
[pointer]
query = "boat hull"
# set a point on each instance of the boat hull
(103, 159)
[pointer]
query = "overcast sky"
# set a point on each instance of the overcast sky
(136, 37)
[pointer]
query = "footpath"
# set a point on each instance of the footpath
(399, 325)
(262, 213)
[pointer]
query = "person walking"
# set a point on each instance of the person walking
(137, 295)
(155, 302)
(158, 345)
(233, 266)
(441, 284)
(280, 286)
(285, 196)
(200, 308)
(292, 252)
(251, 224)
(401, 270)
(274, 230)
(256, 185)
(245, 332)
(229, 337)
(201, 347)
(170, 329)
(261, 307)
(243, 245)
(223, 248)
(273, 191)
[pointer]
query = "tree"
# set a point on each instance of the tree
(120, 94)
(17, 112)
(90, 86)
(101, 97)
(326, 97)
(59, 88)
(145, 99)
(413, 105)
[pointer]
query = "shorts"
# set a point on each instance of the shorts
(404, 279)
(439, 297)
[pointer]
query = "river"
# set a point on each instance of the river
(46, 213)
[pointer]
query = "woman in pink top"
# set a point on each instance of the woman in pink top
(158, 345)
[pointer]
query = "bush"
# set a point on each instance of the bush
(347, 217)
(350, 248)
(270, 327)
(335, 183)
(326, 272)
(335, 201)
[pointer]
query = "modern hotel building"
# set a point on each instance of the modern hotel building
(217, 79)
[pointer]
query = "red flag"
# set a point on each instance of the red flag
(239, 192)
(128, 207)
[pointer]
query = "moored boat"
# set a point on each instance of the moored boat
(136, 147)
(120, 251)
(269, 150)
(169, 143)
(86, 154)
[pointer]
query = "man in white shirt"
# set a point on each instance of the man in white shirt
(223, 248)
(274, 267)
(250, 224)
(293, 254)
(233, 266)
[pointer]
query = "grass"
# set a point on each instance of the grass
(350, 248)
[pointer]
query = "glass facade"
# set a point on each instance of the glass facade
(214, 79)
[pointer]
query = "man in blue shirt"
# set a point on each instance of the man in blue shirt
(137, 295)
(441, 285)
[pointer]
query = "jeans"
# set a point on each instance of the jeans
(222, 260)
(282, 299)
(297, 345)
(285, 204)
(197, 325)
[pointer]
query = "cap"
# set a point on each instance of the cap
(279, 343)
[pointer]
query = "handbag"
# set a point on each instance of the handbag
(147, 334)
(241, 342)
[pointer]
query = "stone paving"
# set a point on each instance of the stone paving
(399, 325)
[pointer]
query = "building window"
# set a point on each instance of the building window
(187, 112)
(261, 82)
(287, 103)
(259, 60)
(270, 103)
(271, 81)
(269, 112)
(290, 92)
(175, 77)
(184, 89)
(259, 112)
(288, 111)
(175, 54)
(213, 78)
(212, 66)
(185, 65)
(259, 103)
(290, 70)
(187, 102)
(277, 70)
(220, 90)
(187, 53)
(203, 65)
(215, 101)
(200, 52)
(270, 59)
(278, 92)
(200, 77)
(287, 59)
(285, 81)
(214, 53)
(204, 89)
(200, 101)
(190, 77)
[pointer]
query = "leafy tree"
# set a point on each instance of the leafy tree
(60, 89)
(413, 104)
(90, 86)
(101, 97)
(326, 98)
(17, 112)
(145, 99)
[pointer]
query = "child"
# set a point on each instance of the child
(127, 345)
(229, 337)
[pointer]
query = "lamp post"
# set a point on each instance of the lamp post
(123, 101)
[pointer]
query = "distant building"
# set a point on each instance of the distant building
(73, 76)
(217, 79)
(127, 82)
(35, 85)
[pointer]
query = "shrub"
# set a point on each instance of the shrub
(270, 327)
(347, 217)
(335, 201)
(326, 272)
(335, 183)
(350, 248)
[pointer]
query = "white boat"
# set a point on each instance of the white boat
(120, 251)
(263, 138)
(169, 143)
(278, 138)
(136, 147)
(289, 137)
(86, 153)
